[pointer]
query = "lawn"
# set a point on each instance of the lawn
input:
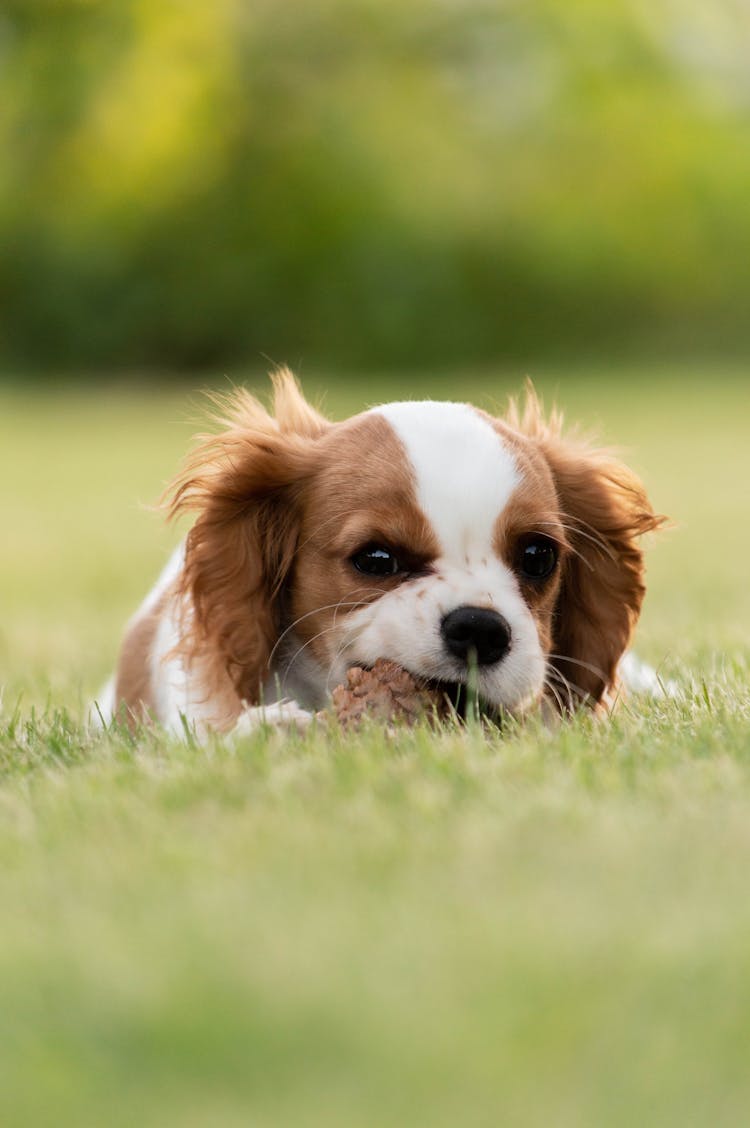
(544, 929)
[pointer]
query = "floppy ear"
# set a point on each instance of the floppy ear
(605, 511)
(244, 484)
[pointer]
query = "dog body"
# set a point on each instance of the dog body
(455, 543)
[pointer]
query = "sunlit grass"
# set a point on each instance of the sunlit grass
(544, 928)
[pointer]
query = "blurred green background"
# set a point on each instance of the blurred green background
(364, 184)
(396, 198)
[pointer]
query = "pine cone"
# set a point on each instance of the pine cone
(387, 693)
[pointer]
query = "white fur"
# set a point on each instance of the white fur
(102, 709)
(464, 474)
(174, 696)
(179, 700)
(639, 677)
(279, 714)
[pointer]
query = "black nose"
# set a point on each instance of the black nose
(477, 630)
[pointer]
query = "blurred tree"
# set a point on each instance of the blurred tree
(362, 182)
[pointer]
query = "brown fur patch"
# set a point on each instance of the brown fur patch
(133, 688)
(363, 492)
(604, 511)
(282, 501)
(245, 485)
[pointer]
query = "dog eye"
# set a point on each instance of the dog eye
(374, 560)
(537, 558)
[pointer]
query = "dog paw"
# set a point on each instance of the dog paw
(279, 715)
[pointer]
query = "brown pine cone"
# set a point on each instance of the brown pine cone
(387, 693)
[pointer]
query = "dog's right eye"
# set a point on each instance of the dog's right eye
(375, 560)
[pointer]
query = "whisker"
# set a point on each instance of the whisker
(322, 525)
(326, 630)
(341, 650)
(575, 551)
(583, 694)
(315, 611)
(553, 678)
(576, 694)
(596, 538)
(362, 603)
(548, 685)
(586, 524)
(299, 651)
(584, 665)
(346, 645)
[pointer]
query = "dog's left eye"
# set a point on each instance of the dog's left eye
(374, 560)
(537, 558)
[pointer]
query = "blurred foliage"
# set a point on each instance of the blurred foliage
(370, 181)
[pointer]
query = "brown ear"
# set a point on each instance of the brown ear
(244, 484)
(605, 511)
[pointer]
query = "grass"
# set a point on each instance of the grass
(552, 928)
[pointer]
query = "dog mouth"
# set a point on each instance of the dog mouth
(457, 700)
(463, 701)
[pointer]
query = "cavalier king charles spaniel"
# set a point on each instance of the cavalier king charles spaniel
(457, 544)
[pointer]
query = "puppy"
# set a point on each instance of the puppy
(455, 543)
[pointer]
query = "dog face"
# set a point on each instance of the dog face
(453, 543)
(431, 536)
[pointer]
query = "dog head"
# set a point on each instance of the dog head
(459, 545)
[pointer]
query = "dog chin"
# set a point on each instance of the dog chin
(464, 700)
(495, 697)
(459, 696)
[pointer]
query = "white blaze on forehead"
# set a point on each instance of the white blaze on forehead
(464, 473)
